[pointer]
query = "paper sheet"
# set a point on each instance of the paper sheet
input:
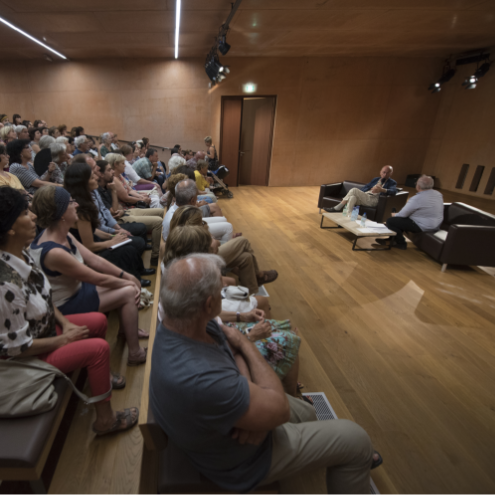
(373, 230)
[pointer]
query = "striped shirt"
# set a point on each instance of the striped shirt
(26, 175)
(425, 209)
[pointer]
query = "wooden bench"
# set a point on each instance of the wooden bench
(26, 442)
(165, 468)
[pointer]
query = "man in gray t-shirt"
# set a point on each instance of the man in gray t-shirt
(219, 401)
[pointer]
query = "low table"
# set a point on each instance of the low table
(351, 226)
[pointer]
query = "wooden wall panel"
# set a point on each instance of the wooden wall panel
(464, 132)
(336, 118)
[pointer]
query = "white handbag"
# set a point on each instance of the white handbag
(237, 299)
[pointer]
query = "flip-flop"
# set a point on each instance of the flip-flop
(137, 363)
(118, 381)
(267, 277)
(126, 414)
(378, 462)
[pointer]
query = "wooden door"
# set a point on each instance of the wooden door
(258, 115)
(230, 137)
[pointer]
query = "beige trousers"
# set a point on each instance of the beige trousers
(340, 446)
(356, 197)
(152, 218)
(238, 253)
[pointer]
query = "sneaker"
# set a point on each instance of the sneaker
(154, 262)
(331, 210)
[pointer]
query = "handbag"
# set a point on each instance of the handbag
(27, 387)
(237, 299)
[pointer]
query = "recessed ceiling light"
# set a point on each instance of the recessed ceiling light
(7, 23)
(177, 24)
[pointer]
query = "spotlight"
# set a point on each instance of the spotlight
(223, 46)
(481, 71)
(470, 82)
(448, 74)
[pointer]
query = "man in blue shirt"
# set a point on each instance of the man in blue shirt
(370, 193)
(422, 213)
(220, 402)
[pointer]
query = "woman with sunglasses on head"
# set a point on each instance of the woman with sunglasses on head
(33, 326)
(81, 281)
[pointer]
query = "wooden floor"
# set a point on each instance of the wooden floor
(405, 350)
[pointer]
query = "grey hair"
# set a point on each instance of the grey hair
(62, 139)
(79, 140)
(46, 142)
(425, 182)
(57, 149)
(175, 162)
(185, 190)
(188, 282)
(105, 136)
(19, 128)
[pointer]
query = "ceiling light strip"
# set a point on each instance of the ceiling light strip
(32, 38)
(177, 25)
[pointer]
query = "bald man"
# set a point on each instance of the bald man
(370, 193)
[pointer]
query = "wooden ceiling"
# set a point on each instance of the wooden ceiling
(145, 28)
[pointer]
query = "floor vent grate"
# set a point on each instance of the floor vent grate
(325, 411)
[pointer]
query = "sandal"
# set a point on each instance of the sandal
(117, 381)
(126, 415)
(267, 277)
(141, 361)
(378, 462)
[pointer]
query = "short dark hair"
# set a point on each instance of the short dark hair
(102, 165)
(186, 170)
(174, 150)
(37, 122)
(8, 198)
(15, 116)
(52, 129)
(27, 123)
(150, 152)
(32, 132)
(14, 149)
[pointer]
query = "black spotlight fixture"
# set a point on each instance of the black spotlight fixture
(448, 74)
(223, 46)
(470, 82)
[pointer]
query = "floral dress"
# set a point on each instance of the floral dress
(280, 350)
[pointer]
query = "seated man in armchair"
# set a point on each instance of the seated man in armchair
(370, 193)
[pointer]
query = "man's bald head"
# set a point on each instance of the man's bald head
(386, 172)
(200, 155)
(186, 192)
(188, 283)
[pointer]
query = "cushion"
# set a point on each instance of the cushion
(441, 234)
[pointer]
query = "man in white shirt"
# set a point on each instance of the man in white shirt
(186, 193)
(422, 213)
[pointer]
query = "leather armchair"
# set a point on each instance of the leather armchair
(466, 237)
(332, 194)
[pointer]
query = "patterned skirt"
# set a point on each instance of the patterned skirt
(280, 349)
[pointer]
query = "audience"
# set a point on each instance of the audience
(203, 181)
(278, 344)
(21, 131)
(219, 401)
(34, 136)
(8, 134)
(139, 183)
(54, 132)
(211, 154)
(16, 119)
(193, 162)
(106, 140)
(422, 213)
(370, 193)
(37, 328)
(82, 144)
(146, 167)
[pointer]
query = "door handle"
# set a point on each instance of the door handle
(241, 152)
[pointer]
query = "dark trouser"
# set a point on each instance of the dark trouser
(140, 235)
(399, 225)
(126, 258)
(159, 179)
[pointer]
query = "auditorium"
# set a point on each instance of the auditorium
(294, 195)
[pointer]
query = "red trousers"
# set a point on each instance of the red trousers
(92, 353)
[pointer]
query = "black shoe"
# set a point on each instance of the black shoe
(383, 242)
(148, 247)
(154, 262)
(331, 210)
(145, 283)
(400, 246)
(148, 271)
